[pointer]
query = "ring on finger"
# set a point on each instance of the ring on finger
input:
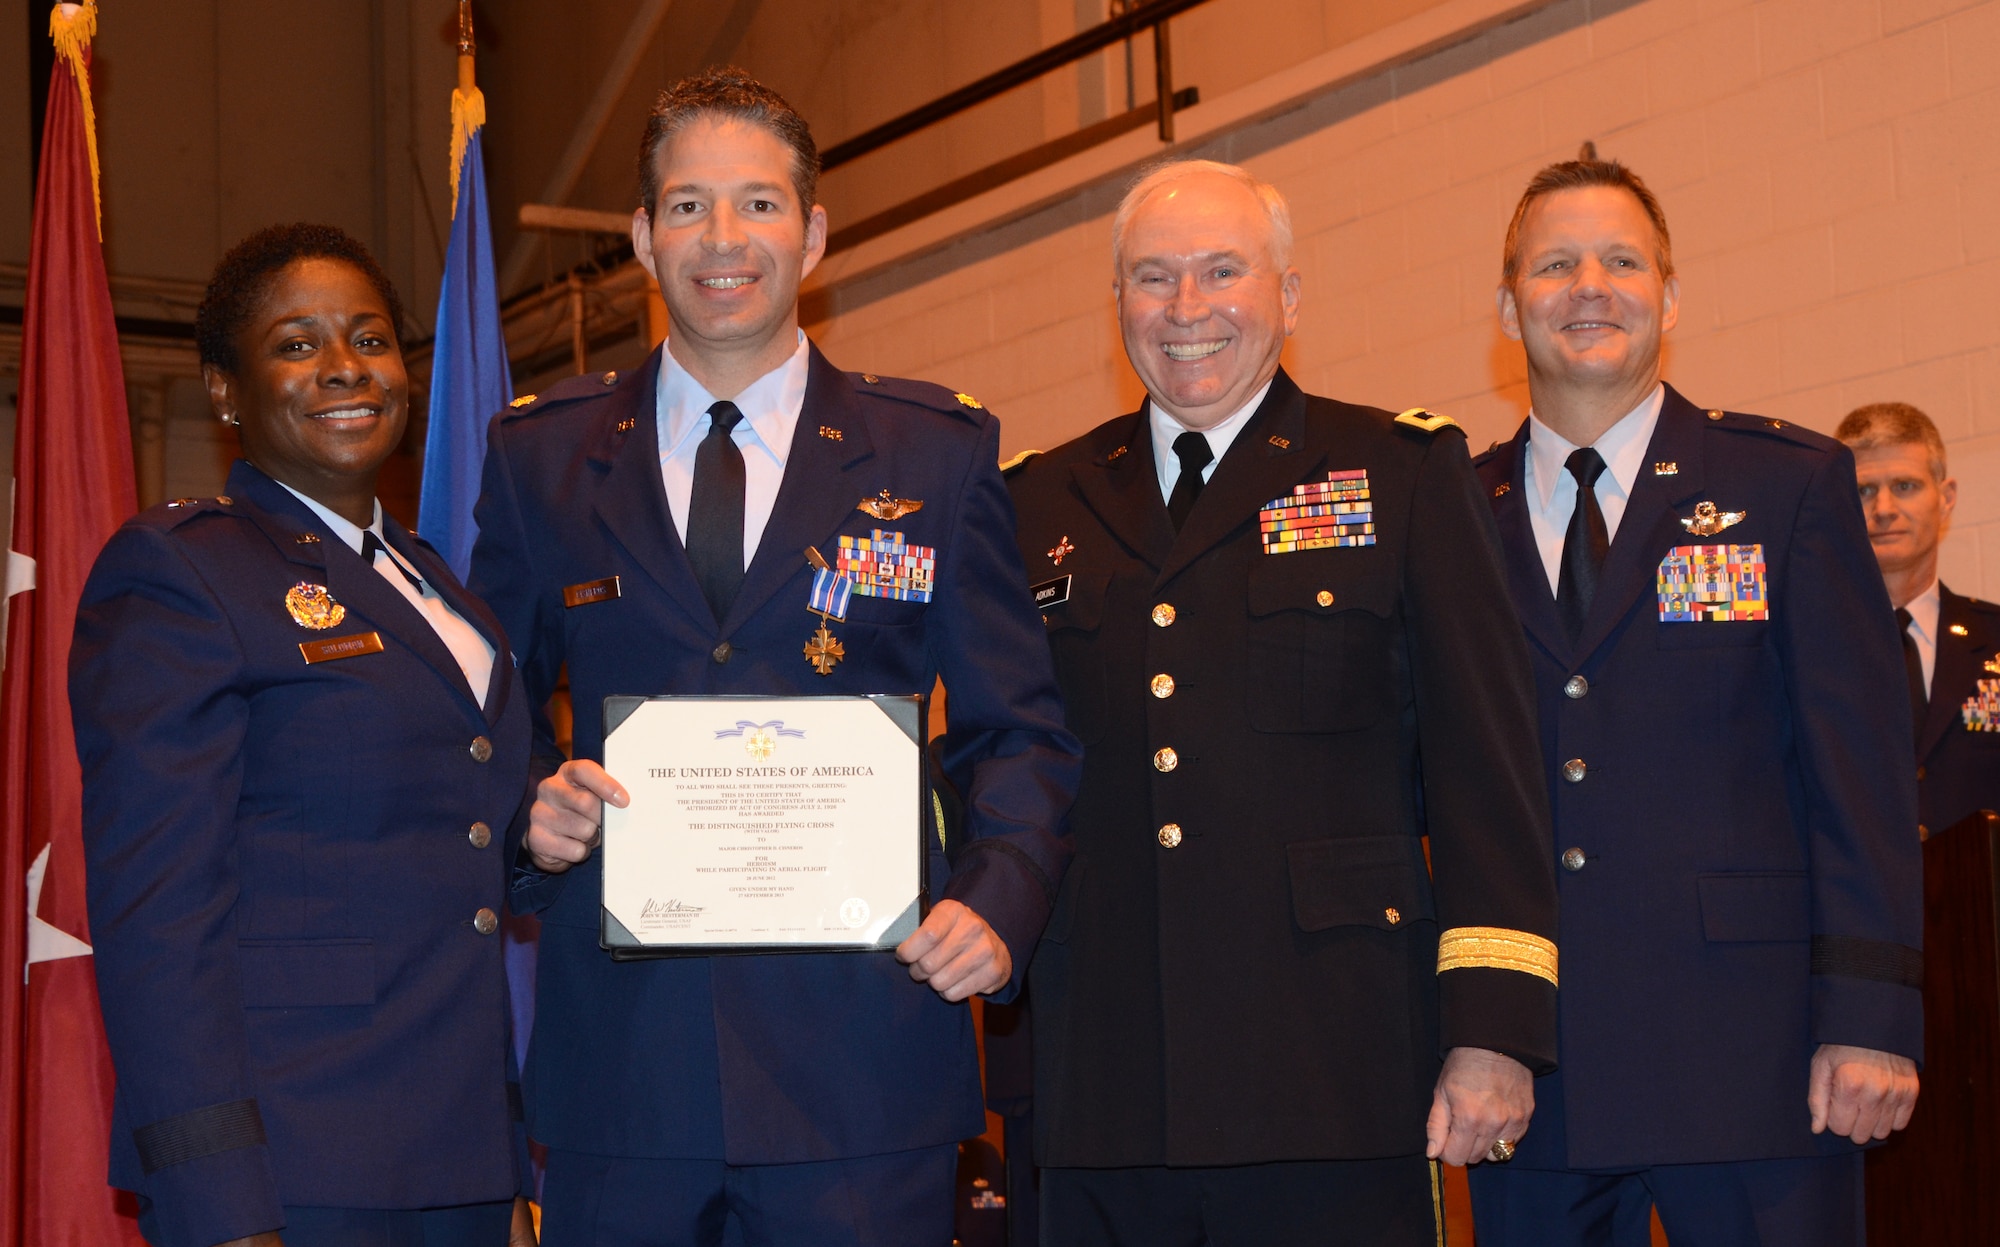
(1502, 1151)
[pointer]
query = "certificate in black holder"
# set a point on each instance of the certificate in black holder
(763, 825)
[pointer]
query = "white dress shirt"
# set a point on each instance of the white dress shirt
(1166, 429)
(1924, 610)
(770, 405)
(1551, 490)
(472, 650)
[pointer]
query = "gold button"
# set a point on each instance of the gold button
(611, 378)
(1920, 773)
(1923, 832)
(1572, 860)
(1166, 759)
(871, 378)
(1324, 598)
(482, 749)
(1576, 688)
(225, 500)
(722, 652)
(1170, 836)
(1393, 914)
(485, 922)
(1574, 770)
(1163, 615)
(1714, 415)
(481, 835)
(1162, 685)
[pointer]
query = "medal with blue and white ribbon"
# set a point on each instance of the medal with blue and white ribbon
(830, 594)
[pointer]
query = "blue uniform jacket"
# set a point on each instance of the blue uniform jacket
(779, 1058)
(287, 861)
(1747, 881)
(1958, 743)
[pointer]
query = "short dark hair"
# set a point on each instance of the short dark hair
(1893, 424)
(1585, 171)
(726, 91)
(243, 277)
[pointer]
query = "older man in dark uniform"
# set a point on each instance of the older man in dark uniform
(1951, 643)
(649, 532)
(1282, 633)
(1721, 702)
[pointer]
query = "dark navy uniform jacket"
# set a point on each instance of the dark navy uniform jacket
(1958, 743)
(790, 1057)
(1741, 880)
(1251, 961)
(289, 863)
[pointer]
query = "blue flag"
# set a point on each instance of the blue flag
(469, 376)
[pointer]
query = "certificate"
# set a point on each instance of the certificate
(763, 824)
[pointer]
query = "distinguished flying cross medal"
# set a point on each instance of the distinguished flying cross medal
(1337, 511)
(830, 592)
(313, 607)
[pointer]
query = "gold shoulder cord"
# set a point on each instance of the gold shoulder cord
(1496, 948)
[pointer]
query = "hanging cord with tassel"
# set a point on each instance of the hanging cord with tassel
(468, 105)
(72, 32)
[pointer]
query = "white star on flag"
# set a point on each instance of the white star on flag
(46, 941)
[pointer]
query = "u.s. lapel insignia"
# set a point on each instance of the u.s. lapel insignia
(1666, 467)
(311, 606)
(1993, 666)
(1062, 550)
(1707, 521)
(830, 433)
(885, 506)
(1958, 630)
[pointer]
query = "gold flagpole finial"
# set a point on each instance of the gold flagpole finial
(465, 27)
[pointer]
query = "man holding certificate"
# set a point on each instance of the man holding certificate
(734, 523)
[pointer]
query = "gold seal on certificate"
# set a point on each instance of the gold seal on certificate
(763, 824)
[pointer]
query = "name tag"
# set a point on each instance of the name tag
(591, 591)
(1051, 592)
(341, 647)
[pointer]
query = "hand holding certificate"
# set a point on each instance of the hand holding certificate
(762, 824)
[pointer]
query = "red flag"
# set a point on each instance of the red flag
(72, 488)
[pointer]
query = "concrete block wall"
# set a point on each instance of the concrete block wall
(1830, 168)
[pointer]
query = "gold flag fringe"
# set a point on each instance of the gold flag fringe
(468, 113)
(72, 36)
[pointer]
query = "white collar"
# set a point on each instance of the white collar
(1924, 610)
(770, 404)
(345, 529)
(1165, 429)
(1622, 446)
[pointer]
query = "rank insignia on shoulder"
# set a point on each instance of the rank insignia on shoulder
(1707, 521)
(1429, 422)
(885, 506)
(1993, 666)
(1008, 465)
(969, 401)
(883, 565)
(523, 401)
(311, 606)
(1337, 511)
(1981, 711)
(1707, 584)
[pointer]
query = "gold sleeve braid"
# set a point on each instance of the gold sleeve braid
(1496, 948)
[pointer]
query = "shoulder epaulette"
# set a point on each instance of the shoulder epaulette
(1770, 426)
(180, 510)
(1011, 466)
(921, 393)
(1429, 422)
(567, 390)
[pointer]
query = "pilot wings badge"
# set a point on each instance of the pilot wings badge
(885, 506)
(1707, 521)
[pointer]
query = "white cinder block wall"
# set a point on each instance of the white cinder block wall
(1830, 168)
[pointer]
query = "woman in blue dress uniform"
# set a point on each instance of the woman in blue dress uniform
(302, 743)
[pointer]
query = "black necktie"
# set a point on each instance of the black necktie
(715, 512)
(1194, 456)
(371, 545)
(1913, 671)
(1583, 545)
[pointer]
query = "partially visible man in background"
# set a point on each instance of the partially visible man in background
(1950, 641)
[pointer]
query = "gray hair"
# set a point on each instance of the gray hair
(1171, 171)
(1893, 424)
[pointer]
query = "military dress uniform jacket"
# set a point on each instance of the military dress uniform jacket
(294, 870)
(1958, 744)
(1245, 962)
(1741, 880)
(772, 1058)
